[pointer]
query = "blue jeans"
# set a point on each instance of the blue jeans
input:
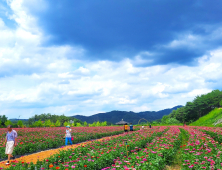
(68, 139)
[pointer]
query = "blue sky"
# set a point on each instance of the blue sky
(85, 57)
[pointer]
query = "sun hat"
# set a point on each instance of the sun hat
(67, 126)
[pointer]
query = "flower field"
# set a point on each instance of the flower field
(155, 148)
(37, 139)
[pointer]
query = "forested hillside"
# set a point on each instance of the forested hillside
(200, 106)
(116, 116)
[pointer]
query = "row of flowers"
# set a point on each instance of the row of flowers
(201, 151)
(156, 155)
(97, 154)
(31, 140)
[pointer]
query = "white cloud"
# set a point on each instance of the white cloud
(35, 79)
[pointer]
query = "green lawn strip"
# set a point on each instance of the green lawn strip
(177, 160)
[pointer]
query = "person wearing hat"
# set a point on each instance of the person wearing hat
(68, 135)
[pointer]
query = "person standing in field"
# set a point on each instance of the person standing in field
(125, 127)
(131, 127)
(68, 135)
(10, 142)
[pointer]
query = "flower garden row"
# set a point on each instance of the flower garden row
(31, 140)
(145, 149)
(156, 155)
(201, 151)
(95, 155)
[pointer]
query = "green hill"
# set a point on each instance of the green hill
(209, 119)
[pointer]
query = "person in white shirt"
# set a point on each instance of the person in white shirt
(10, 142)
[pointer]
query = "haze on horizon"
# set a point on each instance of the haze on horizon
(87, 57)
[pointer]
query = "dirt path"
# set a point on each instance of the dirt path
(45, 154)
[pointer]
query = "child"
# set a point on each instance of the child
(68, 135)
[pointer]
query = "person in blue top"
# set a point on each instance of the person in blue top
(10, 142)
(131, 127)
(68, 135)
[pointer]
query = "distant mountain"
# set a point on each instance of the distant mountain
(131, 117)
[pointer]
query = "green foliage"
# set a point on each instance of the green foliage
(38, 123)
(58, 123)
(85, 123)
(164, 119)
(78, 124)
(8, 122)
(48, 123)
(209, 119)
(220, 103)
(171, 121)
(199, 107)
(65, 123)
(98, 124)
(3, 119)
(20, 123)
(53, 118)
(104, 123)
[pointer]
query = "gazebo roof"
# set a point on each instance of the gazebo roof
(121, 122)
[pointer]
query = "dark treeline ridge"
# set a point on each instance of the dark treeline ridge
(200, 106)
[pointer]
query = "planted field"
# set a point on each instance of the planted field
(38, 139)
(157, 148)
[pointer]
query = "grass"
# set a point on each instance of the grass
(177, 161)
(209, 119)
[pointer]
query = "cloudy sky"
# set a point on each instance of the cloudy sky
(85, 57)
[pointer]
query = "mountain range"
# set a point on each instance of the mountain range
(131, 117)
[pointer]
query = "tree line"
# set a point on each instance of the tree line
(49, 120)
(200, 106)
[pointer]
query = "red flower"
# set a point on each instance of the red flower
(85, 166)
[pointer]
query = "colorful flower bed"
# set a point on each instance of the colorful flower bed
(202, 151)
(31, 140)
(154, 156)
(95, 155)
(214, 132)
(144, 149)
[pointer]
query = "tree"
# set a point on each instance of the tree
(38, 123)
(164, 118)
(172, 121)
(20, 123)
(48, 123)
(104, 123)
(200, 106)
(85, 123)
(57, 124)
(78, 124)
(8, 122)
(220, 103)
(65, 123)
(98, 124)
(3, 119)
